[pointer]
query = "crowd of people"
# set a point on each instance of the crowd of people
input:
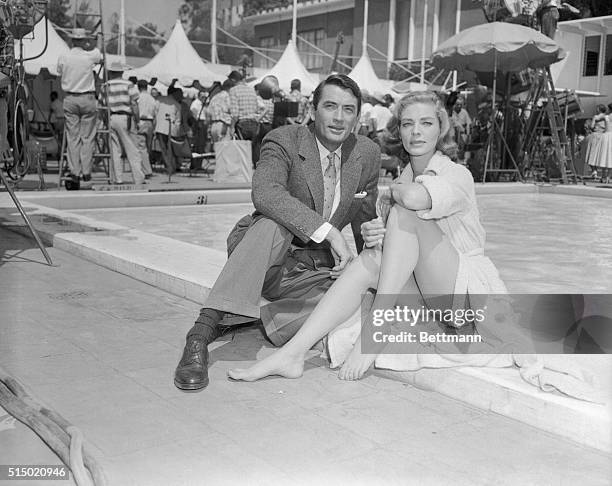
(147, 126)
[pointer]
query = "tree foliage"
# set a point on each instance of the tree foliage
(251, 7)
(139, 42)
(195, 17)
(59, 13)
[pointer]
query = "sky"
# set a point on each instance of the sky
(162, 13)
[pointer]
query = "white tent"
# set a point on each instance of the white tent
(363, 74)
(177, 59)
(289, 67)
(34, 45)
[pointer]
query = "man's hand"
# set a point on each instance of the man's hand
(341, 251)
(373, 233)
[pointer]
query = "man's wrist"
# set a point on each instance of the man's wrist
(333, 235)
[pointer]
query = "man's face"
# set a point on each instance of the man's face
(458, 107)
(335, 116)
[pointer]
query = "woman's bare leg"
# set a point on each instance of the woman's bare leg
(338, 304)
(412, 245)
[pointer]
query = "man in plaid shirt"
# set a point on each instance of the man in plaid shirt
(243, 108)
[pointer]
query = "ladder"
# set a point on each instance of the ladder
(546, 135)
(102, 149)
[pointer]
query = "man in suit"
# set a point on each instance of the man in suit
(309, 184)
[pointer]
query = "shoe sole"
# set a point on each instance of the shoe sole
(190, 387)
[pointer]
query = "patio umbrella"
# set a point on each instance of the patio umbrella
(497, 46)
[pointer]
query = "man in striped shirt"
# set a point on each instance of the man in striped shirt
(122, 97)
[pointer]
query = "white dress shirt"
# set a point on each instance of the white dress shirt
(321, 233)
(76, 69)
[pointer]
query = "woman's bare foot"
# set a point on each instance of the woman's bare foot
(356, 364)
(280, 363)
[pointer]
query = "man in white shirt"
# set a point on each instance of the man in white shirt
(147, 107)
(80, 107)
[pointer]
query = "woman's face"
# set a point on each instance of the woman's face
(419, 129)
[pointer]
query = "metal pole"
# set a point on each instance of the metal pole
(457, 30)
(364, 41)
(26, 219)
(490, 149)
(391, 37)
(424, 42)
(214, 57)
(122, 29)
(294, 25)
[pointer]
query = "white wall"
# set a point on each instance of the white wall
(570, 71)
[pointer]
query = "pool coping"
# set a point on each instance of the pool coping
(161, 261)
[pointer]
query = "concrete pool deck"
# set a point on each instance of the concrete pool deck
(186, 269)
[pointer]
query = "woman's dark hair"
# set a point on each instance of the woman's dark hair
(340, 80)
(601, 108)
(392, 140)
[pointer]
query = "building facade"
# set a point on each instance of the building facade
(398, 30)
(587, 66)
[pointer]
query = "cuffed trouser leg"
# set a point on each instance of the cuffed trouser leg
(73, 140)
(87, 131)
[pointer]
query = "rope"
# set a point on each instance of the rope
(62, 437)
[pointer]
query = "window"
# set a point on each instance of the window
(311, 58)
(591, 55)
(402, 18)
(608, 58)
(267, 43)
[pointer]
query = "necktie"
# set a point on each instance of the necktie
(329, 186)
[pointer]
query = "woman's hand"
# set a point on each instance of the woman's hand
(373, 233)
(383, 204)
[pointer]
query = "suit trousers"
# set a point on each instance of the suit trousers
(143, 138)
(266, 264)
(121, 138)
(80, 115)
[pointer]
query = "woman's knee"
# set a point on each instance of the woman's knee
(403, 218)
(403, 213)
(368, 263)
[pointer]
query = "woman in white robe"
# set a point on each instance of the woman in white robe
(433, 245)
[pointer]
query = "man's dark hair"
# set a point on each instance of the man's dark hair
(54, 95)
(142, 85)
(235, 76)
(340, 80)
(296, 84)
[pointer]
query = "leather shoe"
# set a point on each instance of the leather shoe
(192, 371)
